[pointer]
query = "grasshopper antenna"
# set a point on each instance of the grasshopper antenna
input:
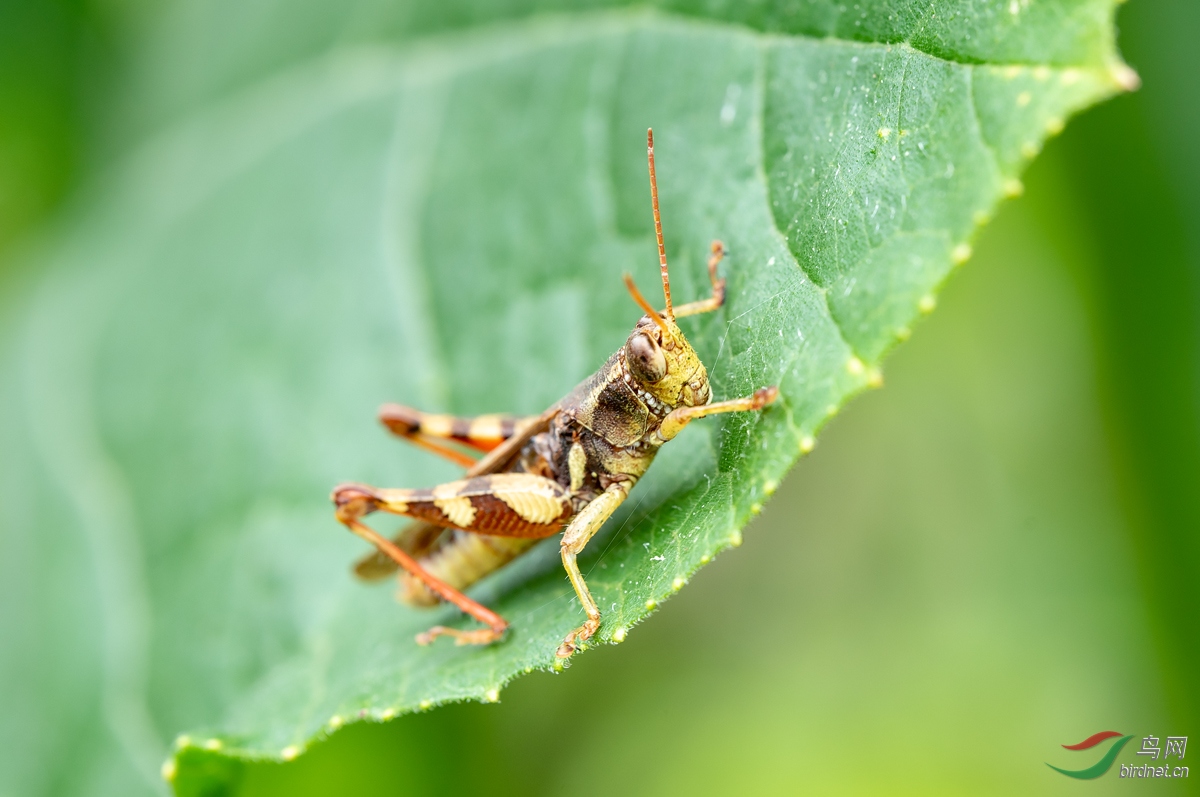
(662, 252)
(645, 305)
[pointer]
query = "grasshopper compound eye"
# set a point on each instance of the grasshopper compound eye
(645, 358)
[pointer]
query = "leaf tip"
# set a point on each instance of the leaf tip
(1125, 77)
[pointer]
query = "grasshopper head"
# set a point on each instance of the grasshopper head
(665, 365)
(662, 362)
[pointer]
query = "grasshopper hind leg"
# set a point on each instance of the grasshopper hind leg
(476, 636)
(520, 506)
(430, 431)
(349, 511)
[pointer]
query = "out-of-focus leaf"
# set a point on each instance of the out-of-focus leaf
(443, 222)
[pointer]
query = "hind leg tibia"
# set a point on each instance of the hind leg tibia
(349, 513)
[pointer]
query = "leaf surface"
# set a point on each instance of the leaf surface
(442, 220)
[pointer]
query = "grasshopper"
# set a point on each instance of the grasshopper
(565, 470)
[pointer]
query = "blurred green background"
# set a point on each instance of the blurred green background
(997, 554)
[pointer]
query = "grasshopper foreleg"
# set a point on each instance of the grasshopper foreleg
(678, 418)
(718, 287)
(583, 528)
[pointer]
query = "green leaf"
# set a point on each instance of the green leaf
(442, 220)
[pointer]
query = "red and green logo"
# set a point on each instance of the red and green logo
(1106, 761)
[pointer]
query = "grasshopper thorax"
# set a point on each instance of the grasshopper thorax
(660, 362)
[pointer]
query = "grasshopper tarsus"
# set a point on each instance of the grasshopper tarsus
(476, 636)
(566, 470)
(764, 396)
(717, 254)
(577, 638)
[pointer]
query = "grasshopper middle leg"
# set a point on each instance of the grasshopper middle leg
(583, 527)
